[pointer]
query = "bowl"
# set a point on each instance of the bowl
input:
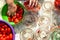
(4, 12)
(8, 26)
(55, 34)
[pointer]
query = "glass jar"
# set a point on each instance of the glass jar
(55, 34)
(30, 19)
(47, 5)
(27, 34)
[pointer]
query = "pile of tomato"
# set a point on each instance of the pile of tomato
(26, 5)
(31, 8)
(5, 32)
(19, 15)
(57, 4)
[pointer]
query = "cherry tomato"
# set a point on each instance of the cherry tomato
(16, 20)
(10, 36)
(5, 26)
(8, 30)
(4, 39)
(7, 38)
(9, 18)
(17, 15)
(4, 35)
(2, 29)
(20, 18)
(57, 4)
(4, 32)
(21, 11)
(0, 35)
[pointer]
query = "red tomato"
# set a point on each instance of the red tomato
(4, 32)
(1, 38)
(2, 29)
(7, 38)
(57, 4)
(21, 11)
(4, 39)
(10, 19)
(14, 17)
(5, 26)
(0, 35)
(4, 35)
(17, 15)
(10, 36)
(20, 18)
(8, 30)
(16, 20)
